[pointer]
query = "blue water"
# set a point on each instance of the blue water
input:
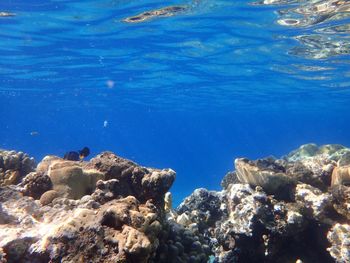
(224, 79)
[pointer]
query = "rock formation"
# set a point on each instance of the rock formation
(293, 209)
(14, 166)
(106, 210)
(109, 209)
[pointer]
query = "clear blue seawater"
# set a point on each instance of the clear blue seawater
(193, 91)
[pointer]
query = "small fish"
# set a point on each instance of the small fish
(34, 133)
(105, 124)
(77, 155)
(6, 14)
(110, 84)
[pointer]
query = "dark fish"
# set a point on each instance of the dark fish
(71, 156)
(84, 152)
(77, 155)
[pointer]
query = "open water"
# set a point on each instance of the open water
(192, 90)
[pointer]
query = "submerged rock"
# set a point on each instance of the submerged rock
(265, 173)
(203, 207)
(14, 166)
(35, 184)
(48, 196)
(274, 210)
(229, 178)
(312, 198)
(332, 151)
(132, 179)
(341, 204)
(341, 175)
(106, 210)
(71, 180)
(113, 210)
(339, 237)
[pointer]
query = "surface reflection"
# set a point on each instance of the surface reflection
(324, 21)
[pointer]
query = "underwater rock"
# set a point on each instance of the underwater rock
(341, 204)
(266, 173)
(35, 184)
(282, 222)
(312, 198)
(341, 175)
(70, 180)
(319, 166)
(47, 197)
(344, 159)
(168, 202)
(44, 165)
(120, 230)
(179, 245)
(123, 230)
(339, 238)
(315, 171)
(311, 150)
(162, 12)
(113, 210)
(303, 151)
(243, 204)
(143, 183)
(229, 178)
(202, 207)
(14, 166)
(67, 225)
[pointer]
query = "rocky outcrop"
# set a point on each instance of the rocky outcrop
(132, 179)
(341, 200)
(276, 210)
(35, 184)
(106, 210)
(113, 210)
(229, 178)
(339, 237)
(341, 175)
(122, 230)
(14, 166)
(266, 173)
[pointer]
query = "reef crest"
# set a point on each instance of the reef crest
(110, 209)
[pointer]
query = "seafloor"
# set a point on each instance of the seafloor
(109, 209)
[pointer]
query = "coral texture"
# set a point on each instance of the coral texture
(80, 217)
(110, 209)
(14, 166)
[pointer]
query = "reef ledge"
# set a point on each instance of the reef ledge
(292, 209)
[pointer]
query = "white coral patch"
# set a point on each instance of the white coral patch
(339, 237)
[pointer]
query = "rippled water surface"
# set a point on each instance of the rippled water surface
(188, 85)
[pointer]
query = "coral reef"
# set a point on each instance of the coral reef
(339, 238)
(106, 210)
(14, 166)
(276, 210)
(109, 209)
